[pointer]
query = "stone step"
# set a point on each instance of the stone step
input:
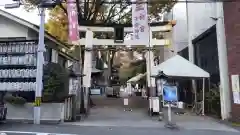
(134, 102)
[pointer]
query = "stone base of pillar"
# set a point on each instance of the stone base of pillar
(84, 100)
(151, 93)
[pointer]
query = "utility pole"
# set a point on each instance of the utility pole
(42, 5)
(223, 63)
(40, 61)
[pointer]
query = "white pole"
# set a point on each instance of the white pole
(40, 62)
(190, 34)
(222, 58)
(87, 68)
(150, 80)
(190, 46)
(203, 98)
(169, 113)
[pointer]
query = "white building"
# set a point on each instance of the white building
(200, 20)
(14, 28)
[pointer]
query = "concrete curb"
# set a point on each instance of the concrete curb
(226, 123)
(48, 122)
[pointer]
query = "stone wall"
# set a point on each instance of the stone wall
(53, 112)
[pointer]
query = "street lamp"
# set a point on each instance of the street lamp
(76, 86)
(160, 79)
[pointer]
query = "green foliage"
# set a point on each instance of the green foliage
(212, 101)
(126, 73)
(56, 83)
(141, 68)
(57, 24)
(15, 100)
(131, 71)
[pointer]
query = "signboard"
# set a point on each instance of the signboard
(72, 21)
(170, 93)
(235, 88)
(140, 22)
(95, 91)
(38, 101)
(73, 86)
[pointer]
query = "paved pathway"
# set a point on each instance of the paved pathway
(30, 129)
(117, 117)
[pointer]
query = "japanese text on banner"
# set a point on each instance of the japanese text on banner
(73, 21)
(140, 21)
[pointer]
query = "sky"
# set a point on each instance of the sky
(32, 16)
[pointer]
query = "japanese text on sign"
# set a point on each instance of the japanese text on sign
(73, 20)
(140, 21)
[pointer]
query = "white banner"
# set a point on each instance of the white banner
(140, 22)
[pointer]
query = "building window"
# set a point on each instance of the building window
(47, 55)
(62, 61)
(54, 57)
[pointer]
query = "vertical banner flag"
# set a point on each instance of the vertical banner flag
(140, 22)
(72, 21)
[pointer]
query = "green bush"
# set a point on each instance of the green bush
(212, 101)
(15, 100)
(56, 83)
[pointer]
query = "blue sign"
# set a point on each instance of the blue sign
(170, 93)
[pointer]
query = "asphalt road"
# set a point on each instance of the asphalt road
(30, 129)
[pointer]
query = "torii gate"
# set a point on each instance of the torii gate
(89, 41)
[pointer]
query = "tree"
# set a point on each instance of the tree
(98, 11)
(92, 12)
(57, 24)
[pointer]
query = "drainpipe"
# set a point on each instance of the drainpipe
(190, 47)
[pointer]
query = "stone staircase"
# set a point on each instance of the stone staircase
(134, 101)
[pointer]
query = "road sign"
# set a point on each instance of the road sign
(38, 101)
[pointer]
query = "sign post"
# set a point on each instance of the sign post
(170, 96)
(142, 35)
(160, 79)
